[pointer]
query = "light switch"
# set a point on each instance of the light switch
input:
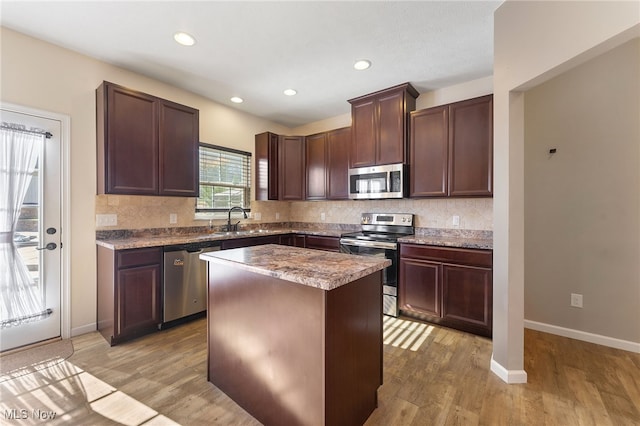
(456, 221)
(173, 218)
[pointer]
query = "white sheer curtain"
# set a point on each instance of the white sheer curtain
(22, 297)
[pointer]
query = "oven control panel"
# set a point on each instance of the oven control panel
(402, 219)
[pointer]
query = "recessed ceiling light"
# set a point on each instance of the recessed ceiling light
(290, 92)
(362, 64)
(237, 100)
(184, 39)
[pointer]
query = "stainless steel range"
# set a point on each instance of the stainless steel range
(379, 237)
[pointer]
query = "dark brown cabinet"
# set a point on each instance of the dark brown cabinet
(250, 241)
(338, 147)
(320, 242)
(447, 286)
(291, 167)
(379, 126)
(422, 286)
(146, 145)
(451, 150)
(279, 167)
(266, 166)
(293, 240)
(317, 166)
(327, 164)
(129, 292)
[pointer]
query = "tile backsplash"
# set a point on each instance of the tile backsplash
(143, 212)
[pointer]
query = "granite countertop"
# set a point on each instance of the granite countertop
(168, 240)
(300, 265)
(164, 237)
(449, 241)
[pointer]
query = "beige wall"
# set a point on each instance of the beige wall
(40, 75)
(582, 204)
(533, 42)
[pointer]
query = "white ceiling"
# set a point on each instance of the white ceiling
(255, 50)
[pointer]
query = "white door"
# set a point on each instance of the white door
(39, 225)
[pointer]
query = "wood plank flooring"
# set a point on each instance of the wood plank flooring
(432, 376)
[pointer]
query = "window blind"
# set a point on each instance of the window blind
(225, 179)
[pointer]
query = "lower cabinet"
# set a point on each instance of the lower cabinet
(320, 242)
(250, 241)
(448, 286)
(293, 240)
(129, 292)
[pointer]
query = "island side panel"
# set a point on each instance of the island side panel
(354, 350)
(266, 348)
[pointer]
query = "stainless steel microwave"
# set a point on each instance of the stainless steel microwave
(375, 182)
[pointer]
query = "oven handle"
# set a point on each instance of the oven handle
(372, 244)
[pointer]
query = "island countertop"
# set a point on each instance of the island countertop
(314, 268)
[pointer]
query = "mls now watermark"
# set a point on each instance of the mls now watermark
(23, 414)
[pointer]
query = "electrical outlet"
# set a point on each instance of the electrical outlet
(257, 216)
(277, 215)
(576, 300)
(106, 219)
(456, 220)
(323, 216)
(173, 218)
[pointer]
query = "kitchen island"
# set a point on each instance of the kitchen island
(295, 335)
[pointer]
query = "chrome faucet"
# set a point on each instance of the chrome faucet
(235, 227)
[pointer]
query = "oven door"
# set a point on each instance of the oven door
(384, 250)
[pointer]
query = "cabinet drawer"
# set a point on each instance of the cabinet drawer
(472, 257)
(139, 257)
(323, 243)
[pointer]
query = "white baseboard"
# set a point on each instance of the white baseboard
(584, 336)
(508, 376)
(88, 328)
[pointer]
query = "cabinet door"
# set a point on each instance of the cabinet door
(391, 129)
(420, 287)
(247, 242)
(292, 168)
(178, 143)
(467, 297)
(471, 147)
(138, 300)
(363, 133)
(320, 242)
(266, 166)
(338, 147)
(293, 240)
(316, 158)
(428, 152)
(129, 142)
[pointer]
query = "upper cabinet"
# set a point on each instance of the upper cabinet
(291, 167)
(146, 145)
(379, 126)
(328, 165)
(451, 150)
(279, 167)
(266, 166)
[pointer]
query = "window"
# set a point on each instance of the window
(225, 176)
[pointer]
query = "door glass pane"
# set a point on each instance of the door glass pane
(27, 236)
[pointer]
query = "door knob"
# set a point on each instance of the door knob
(50, 246)
(51, 231)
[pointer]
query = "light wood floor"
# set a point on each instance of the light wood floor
(432, 375)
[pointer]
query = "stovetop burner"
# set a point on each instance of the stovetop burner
(383, 227)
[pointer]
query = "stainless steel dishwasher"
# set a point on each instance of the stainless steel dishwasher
(185, 280)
